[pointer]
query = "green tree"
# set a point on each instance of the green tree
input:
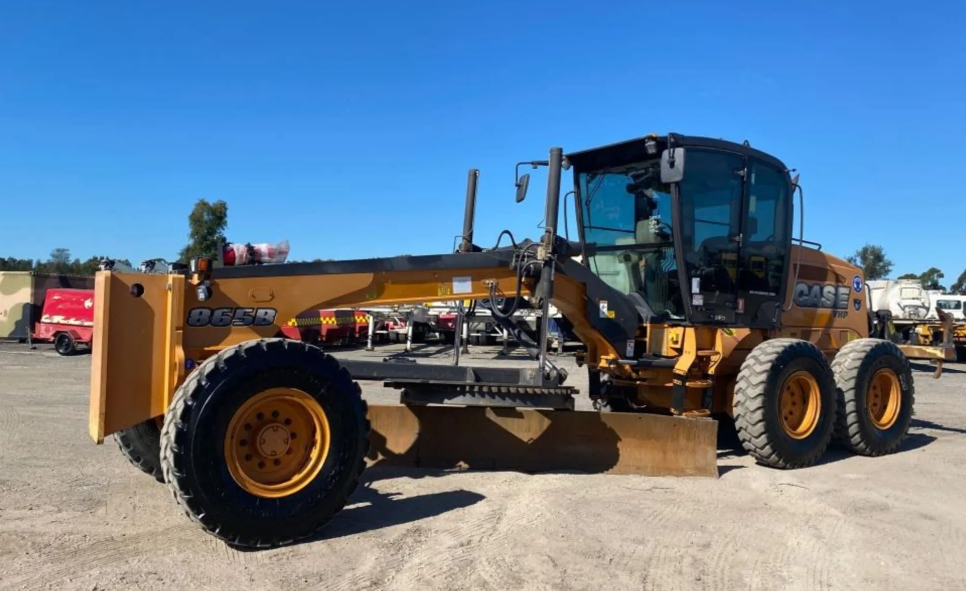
(873, 261)
(206, 228)
(930, 279)
(59, 262)
(959, 287)
(15, 264)
(909, 276)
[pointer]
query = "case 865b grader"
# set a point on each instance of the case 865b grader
(692, 298)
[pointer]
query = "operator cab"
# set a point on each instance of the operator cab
(702, 238)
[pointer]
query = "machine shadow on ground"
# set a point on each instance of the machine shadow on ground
(369, 509)
(729, 445)
(921, 424)
(926, 368)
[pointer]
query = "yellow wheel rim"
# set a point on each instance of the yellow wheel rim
(800, 404)
(277, 442)
(884, 399)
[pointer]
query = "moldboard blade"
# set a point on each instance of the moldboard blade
(486, 438)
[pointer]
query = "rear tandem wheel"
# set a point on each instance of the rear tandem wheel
(875, 396)
(785, 403)
(265, 442)
(141, 445)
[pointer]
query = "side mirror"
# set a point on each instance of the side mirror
(522, 185)
(672, 165)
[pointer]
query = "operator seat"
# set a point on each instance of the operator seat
(607, 266)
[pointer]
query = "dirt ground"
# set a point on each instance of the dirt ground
(74, 515)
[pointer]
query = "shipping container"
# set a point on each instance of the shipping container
(22, 295)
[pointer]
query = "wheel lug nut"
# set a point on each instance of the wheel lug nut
(243, 442)
(288, 421)
(248, 457)
(278, 462)
(294, 435)
(260, 416)
(248, 427)
(274, 414)
(261, 464)
(288, 452)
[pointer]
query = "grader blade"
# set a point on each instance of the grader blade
(486, 438)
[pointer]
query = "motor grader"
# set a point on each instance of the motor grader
(692, 298)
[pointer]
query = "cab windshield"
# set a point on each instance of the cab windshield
(734, 240)
(626, 213)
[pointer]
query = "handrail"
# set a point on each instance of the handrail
(810, 242)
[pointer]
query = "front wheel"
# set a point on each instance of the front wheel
(265, 442)
(785, 403)
(875, 396)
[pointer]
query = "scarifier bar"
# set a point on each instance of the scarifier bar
(536, 440)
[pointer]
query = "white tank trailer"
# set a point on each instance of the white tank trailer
(906, 299)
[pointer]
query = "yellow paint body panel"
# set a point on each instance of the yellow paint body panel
(830, 329)
(130, 375)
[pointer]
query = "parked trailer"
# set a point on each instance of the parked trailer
(905, 299)
(417, 323)
(67, 319)
(342, 326)
(22, 296)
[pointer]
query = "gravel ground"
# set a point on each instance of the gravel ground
(74, 515)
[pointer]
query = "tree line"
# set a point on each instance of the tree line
(58, 263)
(207, 223)
(874, 263)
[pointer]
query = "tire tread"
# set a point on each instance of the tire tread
(141, 445)
(751, 419)
(846, 367)
(176, 429)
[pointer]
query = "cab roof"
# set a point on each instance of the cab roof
(634, 150)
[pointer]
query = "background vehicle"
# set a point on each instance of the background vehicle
(67, 319)
(22, 297)
(905, 299)
(951, 304)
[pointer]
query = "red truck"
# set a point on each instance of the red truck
(67, 319)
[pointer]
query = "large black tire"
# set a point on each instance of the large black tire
(854, 366)
(141, 445)
(64, 344)
(193, 442)
(758, 414)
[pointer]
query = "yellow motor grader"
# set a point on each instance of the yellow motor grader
(692, 298)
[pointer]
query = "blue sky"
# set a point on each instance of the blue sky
(348, 128)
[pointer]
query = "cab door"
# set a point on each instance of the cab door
(764, 245)
(711, 206)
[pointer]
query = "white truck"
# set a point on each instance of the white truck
(948, 303)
